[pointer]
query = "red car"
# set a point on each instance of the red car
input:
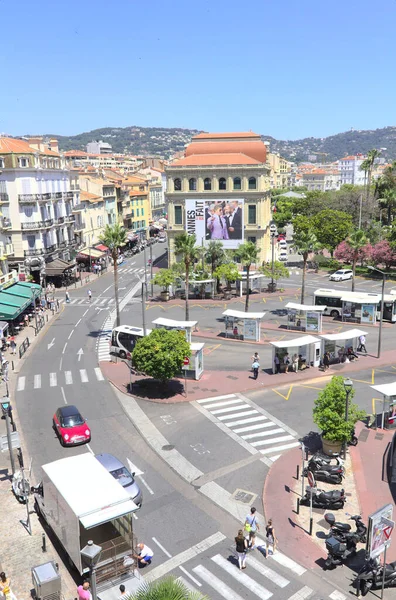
(71, 427)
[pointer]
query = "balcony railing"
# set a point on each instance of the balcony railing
(5, 223)
(60, 220)
(37, 224)
(62, 244)
(70, 218)
(4, 197)
(34, 252)
(6, 249)
(79, 226)
(50, 249)
(35, 197)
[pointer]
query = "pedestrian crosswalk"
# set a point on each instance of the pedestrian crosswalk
(132, 271)
(249, 424)
(83, 300)
(60, 378)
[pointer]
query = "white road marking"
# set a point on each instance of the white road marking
(85, 312)
(219, 411)
(133, 468)
(187, 583)
(84, 376)
(64, 348)
(146, 485)
(305, 592)
(281, 438)
(168, 554)
(104, 291)
(68, 377)
(64, 395)
(53, 380)
(225, 403)
(215, 398)
(244, 421)
(221, 588)
(336, 595)
(82, 301)
(279, 448)
(78, 322)
(99, 374)
(250, 436)
(254, 427)
(241, 414)
(242, 578)
(37, 381)
(89, 448)
(288, 563)
(21, 384)
(70, 334)
(267, 572)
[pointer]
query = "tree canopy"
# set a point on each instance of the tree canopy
(160, 354)
(331, 227)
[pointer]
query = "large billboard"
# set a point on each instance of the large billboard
(216, 220)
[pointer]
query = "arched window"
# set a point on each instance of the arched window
(252, 183)
(222, 183)
(192, 184)
(237, 183)
(177, 185)
(207, 184)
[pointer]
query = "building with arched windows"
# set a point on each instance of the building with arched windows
(221, 174)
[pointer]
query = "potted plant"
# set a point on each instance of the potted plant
(330, 411)
(229, 272)
(275, 272)
(164, 278)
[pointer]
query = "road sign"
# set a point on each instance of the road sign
(15, 443)
(311, 479)
(381, 526)
(186, 363)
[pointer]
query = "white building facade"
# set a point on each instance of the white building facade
(350, 171)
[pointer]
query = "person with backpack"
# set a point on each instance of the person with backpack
(251, 527)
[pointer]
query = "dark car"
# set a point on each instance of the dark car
(122, 475)
(71, 427)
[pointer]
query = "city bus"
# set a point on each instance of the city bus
(124, 338)
(332, 300)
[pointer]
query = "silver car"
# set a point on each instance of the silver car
(123, 476)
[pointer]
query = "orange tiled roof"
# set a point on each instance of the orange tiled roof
(90, 197)
(11, 145)
(348, 158)
(237, 158)
(238, 134)
(138, 193)
(76, 153)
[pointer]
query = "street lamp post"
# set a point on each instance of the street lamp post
(381, 308)
(348, 385)
(274, 233)
(90, 554)
(34, 309)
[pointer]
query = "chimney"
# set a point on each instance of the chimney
(53, 145)
(36, 142)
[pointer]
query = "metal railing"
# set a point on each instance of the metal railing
(70, 218)
(37, 224)
(5, 223)
(4, 197)
(23, 347)
(79, 226)
(34, 252)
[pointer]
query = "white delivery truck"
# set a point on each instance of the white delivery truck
(80, 501)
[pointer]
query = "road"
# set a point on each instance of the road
(229, 443)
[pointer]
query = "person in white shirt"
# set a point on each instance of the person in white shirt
(362, 344)
(145, 554)
(124, 592)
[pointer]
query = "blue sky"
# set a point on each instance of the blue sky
(288, 69)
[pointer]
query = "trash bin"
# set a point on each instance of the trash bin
(47, 581)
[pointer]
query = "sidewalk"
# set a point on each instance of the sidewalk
(213, 383)
(280, 497)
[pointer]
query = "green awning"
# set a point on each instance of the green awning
(16, 299)
(24, 290)
(9, 313)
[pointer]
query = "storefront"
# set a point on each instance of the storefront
(359, 310)
(242, 325)
(337, 344)
(186, 326)
(306, 349)
(195, 368)
(303, 317)
(17, 298)
(388, 415)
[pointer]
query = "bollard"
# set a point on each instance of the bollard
(44, 546)
(310, 525)
(298, 506)
(298, 472)
(12, 365)
(47, 317)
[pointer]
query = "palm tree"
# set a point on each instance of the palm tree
(168, 588)
(305, 243)
(215, 256)
(367, 167)
(185, 246)
(356, 241)
(248, 254)
(114, 237)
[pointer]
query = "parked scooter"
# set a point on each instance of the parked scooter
(339, 551)
(370, 577)
(20, 486)
(329, 462)
(334, 499)
(353, 441)
(334, 475)
(341, 530)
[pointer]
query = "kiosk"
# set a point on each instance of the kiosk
(360, 310)
(255, 282)
(388, 417)
(337, 344)
(242, 325)
(307, 349)
(304, 317)
(195, 368)
(185, 326)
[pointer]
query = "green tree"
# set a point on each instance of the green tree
(247, 254)
(331, 227)
(329, 411)
(167, 588)
(114, 237)
(356, 241)
(301, 224)
(229, 272)
(367, 167)
(185, 246)
(215, 255)
(164, 278)
(305, 243)
(279, 271)
(160, 354)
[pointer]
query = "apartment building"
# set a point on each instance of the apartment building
(102, 188)
(220, 190)
(90, 219)
(350, 171)
(99, 147)
(120, 162)
(136, 209)
(157, 187)
(321, 179)
(37, 224)
(280, 171)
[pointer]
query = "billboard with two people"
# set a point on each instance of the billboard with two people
(216, 220)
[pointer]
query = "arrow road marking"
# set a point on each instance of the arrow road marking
(139, 473)
(80, 353)
(49, 346)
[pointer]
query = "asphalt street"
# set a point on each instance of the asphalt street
(232, 441)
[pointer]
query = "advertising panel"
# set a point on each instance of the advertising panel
(368, 313)
(251, 330)
(313, 321)
(380, 527)
(216, 220)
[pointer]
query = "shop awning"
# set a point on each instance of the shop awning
(296, 343)
(387, 389)
(90, 252)
(132, 237)
(102, 248)
(171, 323)
(237, 314)
(15, 299)
(58, 267)
(306, 307)
(344, 335)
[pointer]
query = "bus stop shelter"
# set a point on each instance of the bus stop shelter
(242, 325)
(255, 282)
(304, 317)
(388, 416)
(195, 368)
(337, 344)
(185, 326)
(360, 309)
(307, 348)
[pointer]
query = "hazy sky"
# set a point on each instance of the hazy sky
(288, 69)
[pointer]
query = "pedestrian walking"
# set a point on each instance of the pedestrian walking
(251, 527)
(277, 363)
(124, 592)
(13, 345)
(326, 361)
(241, 547)
(295, 363)
(255, 367)
(270, 538)
(255, 357)
(84, 592)
(5, 587)
(145, 554)
(286, 362)
(362, 344)
(89, 296)
(67, 297)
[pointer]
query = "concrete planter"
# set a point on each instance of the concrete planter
(165, 296)
(331, 448)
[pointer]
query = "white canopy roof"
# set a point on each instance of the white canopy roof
(344, 335)
(196, 346)
(171, 323)
(304, 340)
(251, 276)
(306, 307)
(372, 299)
(242, 315)
(192, 281)
(387, 389)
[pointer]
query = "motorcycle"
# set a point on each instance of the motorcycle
(325, 461)
(342, 530)
(20, 486)
(334, 499)
(370, 577)
(353, 441)
(339, 551)
(329, 476)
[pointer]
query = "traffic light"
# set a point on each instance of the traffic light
(6, 408)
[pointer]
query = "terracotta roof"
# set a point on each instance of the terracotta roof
(238, 134)
(76, 153)
(236, 158)
(348, 158)
(90, 197)
(254, 148)
(137, 193)
(11, 145)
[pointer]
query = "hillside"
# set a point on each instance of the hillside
(164, 142)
